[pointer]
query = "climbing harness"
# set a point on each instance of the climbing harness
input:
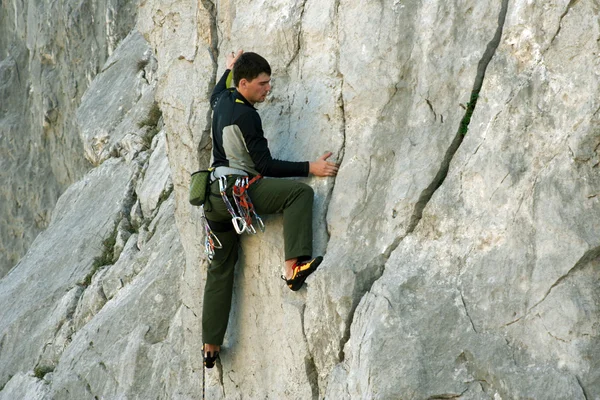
(244, 204)
(238, 222)
(211, 241)
(242, 220)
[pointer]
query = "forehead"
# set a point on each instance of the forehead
(262, 78)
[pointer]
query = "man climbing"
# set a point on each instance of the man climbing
(240, 149)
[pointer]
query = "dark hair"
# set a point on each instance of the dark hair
(249, 66)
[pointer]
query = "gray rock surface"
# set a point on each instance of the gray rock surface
(42, 291)
(118, 102)
(49, 54)
(460, 237)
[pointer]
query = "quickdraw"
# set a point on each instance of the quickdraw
(244, 204)
(211, 241)
(242, 220)
(238, 222)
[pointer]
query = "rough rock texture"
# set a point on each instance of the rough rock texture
(49, 54)
(461, 242)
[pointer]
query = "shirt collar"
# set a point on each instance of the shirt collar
(241, 99)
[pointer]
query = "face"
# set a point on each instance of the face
(256, 90)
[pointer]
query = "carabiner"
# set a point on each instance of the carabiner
(239, 220)
(250, 229)
(260, 222)
(222, 184)
(215, 242)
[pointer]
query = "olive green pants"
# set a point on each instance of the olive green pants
(269, 196)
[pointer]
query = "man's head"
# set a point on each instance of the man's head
(252, 77)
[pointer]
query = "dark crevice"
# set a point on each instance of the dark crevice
(377, 265)
(442, 173)
(447, 396)
(341, 103)
(340, 154)
(431, 109)
(585, 394)
(213, 50)
(220, 375)
(467, 312)
(298, 38)
(569, 6)
(312, 374)
(375, 269)
(590, 256)
(342, 107)
(188, 307)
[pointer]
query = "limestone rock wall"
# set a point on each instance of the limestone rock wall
(460, 238)
(49, 54)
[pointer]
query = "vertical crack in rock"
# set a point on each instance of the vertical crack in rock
(213, 50)
(298, 45)
(342, 106)
(432, 110)
(462, 298)
(369, 276)
(585, 394)
(341, 103)
(340, 156)
(309, 363)
(312, 376)
(439, 178)
(427, 194)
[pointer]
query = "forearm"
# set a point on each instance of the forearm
(220, 86)
(283, 169)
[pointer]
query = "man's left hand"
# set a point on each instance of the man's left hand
(232, 58)
(322, 167)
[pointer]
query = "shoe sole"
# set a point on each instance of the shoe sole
(302, 275)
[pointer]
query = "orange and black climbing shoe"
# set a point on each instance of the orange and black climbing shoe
(210, 358)
(301, 271)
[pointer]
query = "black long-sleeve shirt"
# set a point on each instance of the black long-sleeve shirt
(238, 137)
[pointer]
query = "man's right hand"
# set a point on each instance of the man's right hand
(322, 167)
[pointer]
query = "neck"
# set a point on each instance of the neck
(244, 96)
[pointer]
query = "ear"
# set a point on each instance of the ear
(242, 83)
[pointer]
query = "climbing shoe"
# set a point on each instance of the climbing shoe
(301, 271)
(210, 358)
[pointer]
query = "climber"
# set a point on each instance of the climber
(240, 149)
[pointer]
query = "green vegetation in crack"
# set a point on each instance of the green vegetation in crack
(152, 123)
(4, 385)
(164, 196)
(106, 258)
(466, 120)
(41, 371)
(141, 64)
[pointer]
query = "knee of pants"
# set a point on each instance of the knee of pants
(306, 190)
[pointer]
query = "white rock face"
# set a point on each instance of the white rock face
(460, 237)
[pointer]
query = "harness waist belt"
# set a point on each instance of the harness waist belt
(223, 171)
